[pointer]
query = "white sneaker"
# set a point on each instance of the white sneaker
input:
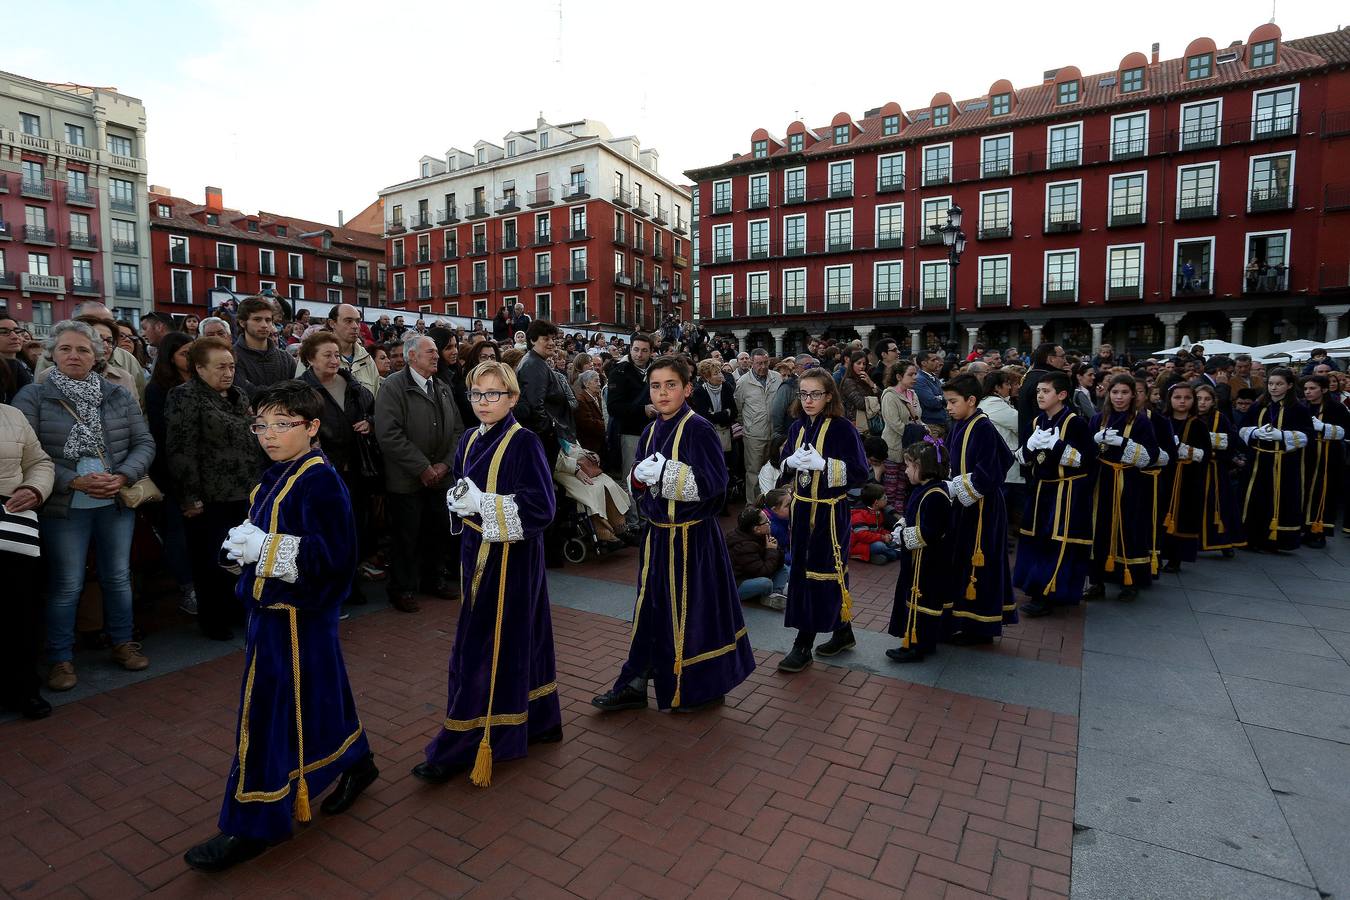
(188, 601)
(776, 601)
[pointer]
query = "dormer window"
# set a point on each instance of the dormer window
(482, 155)
(1263, 54)
(281, 231)
(1067, 92)
(1000, 104)
(942, 115)
(761, 149)
(890, 125)
(252, 225)
(426, 169)
(511, 148)
(1199, 66)
(212, 219)
(164, 211)
(1132, 80)
(841, 134)
(543, 140)
(795, 142)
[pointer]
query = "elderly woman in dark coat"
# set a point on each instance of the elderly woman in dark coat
(95, 433)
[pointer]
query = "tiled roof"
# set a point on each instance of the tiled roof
(1163, 79)
(341, 234)
(231, 227)
(369, 220)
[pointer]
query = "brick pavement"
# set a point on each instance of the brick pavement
(834, 783)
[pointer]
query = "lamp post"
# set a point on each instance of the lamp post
(954, 239)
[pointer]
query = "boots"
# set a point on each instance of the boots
(841, 641)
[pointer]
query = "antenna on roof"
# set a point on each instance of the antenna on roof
(1272, 11)
(558, 59)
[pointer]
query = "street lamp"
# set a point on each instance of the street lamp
(954, 239)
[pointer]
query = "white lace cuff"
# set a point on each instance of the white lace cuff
(1295, 440)
(913, 540)
(836, 473)
(1133, 454)
(501, 518)
(1070, 458)
(1194, 454)
(1218, 440)
(965, 490)
(1163, 458)
(1333, 432)
(678, 482)
(280, 558)
(1246, 434)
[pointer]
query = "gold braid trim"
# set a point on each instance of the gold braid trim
(501, 718)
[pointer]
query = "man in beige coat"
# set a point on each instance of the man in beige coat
(754, 397)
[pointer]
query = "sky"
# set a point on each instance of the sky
(307, 108)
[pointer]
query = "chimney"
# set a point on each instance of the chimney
(1156, 48)
(215, 199)
(1049, 76)
(340, 219)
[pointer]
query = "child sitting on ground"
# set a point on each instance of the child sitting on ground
(871, 538)
(778, 504)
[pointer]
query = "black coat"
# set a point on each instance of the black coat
(544, 407)
(628, 397)
(701, 403)
(336, 437)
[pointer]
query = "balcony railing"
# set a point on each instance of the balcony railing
(996, 232)
(934, 175)
(1125, 214)
(542, 277)
(451, 289)
(660, 216)
(447, 216)
(39, 189)
(1062, 222)
(421, 220)
(639, 243)
(89, 286)
(759, 200)
(999, 167)
(541, 197)
(1271, 199)
(450, 252)
(128, 290)
(1198, 207)
(681, 262)
(1198, 284)
(657, 251)
(478, 209)
(80, 197)
(83, 240)
(679, 226)
(508, 203)
(479, 247)
(1064, 158)
(481, 285)
(510, 242)
(579, 234)
(892, 183)
(398, 261)
(267, 267)
(623, 279)
(888, 299)
(544, 239)
(1271, 126)
(423, 257)
(227, 263)
(642, 208)
(4, 183)
(1333, 277)
(363, 282)
(578, 274)
(931, 298)
(928, 238)
(1129, 148)
(37, 234)
(121, 204)
(1124, 287)
(6, 231)
(841, 187)
(1198, 137)
(623, 198)
(1059, 291)
(394, 226)
(1336, 197)
(424, 292)
(9, 280)
(995, 297)
(1266, 280)
(47, 284)
(510, 282)
(577, 189)
(620, 237)
(721, 206)
(179, 255)
(124, 246)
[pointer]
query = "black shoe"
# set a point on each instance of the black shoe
(444, 589)
(626, 697)
(222, 852)
(612, 546)
(1316, 543)
(432, 773)
(1172, 567)
(552, 736)
(1034, 609)
(798, 659)
(350, 785)
(1227, 553)
(905, 655)
(1129, 595)
(1094, 592)
(706, 704)
(35, 708)
(966, 639)
(841, 641)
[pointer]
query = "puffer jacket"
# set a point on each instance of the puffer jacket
(129, 448)
(751, 557)
(212, 456)
(23, 462)
(867, 527)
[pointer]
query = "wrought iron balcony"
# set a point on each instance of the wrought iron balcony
(394, 226)
(623, 198)
(125, 289)
(1269, 126)
(721, 205)
(659, 217)
(933, 298)
(1198, 137)
(543, 239)
(39, 189)
(8, 280)
(1059, 291)
(80, 197)
(451, 289)
(928, 238)
(888, 299)
(481, 285)
(934, 175)
(1124, 287)
(478, 209)
(180, 255)
(996, 232)
(450, 252)
(541, 197)
(1271, 199)
(1125, 214)
(398, 261)
(6, 231)
(1199, 284)
(1198, 207)
(620, 237)
(510, 282)
(623, 279)
(1129, 148)
(578, 274)
(124, 246)
(579, 234)
(89, 286)
(1064, 158)
(1063, 222)
(424, 292)
(892, 183)
(37, 234)
(510, 242)
(421, 220)
(508, 203)
(680, 227)
(639, 244)
(363, 282)
(121, 204)
(229, 263)
(577, 189)
(542, 277)
(995, 297)
(841, 187)
(657, 251)
(998, 167)
(1267, 280)
(83, 240)
(642, 208)
(447, 216)
(479, 246)
(423, 257)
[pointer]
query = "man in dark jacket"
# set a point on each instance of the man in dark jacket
(259, 362)
(1049, 357)
(418, 428)
(629, 400)
(543, 406)
(757, 560)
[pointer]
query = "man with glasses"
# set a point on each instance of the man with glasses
(888, 354)
(344, 320)
(15, 374)
(1049, 357)
(928, 387)
(418, 425)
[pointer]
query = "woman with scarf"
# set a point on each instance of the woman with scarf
(715, 400)
(1277, 429)
(1182, 483)
(1221, 524)
(899, 411)
(95, 434)
(1122, 533)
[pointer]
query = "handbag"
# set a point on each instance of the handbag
(132, 495)
(19, 531)
(875, 423)
(370, 461)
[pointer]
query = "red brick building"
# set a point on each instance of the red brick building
(196, 247)
(569, 220)
(1205, 195)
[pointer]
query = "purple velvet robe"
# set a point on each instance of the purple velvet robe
(979, 462)
(502, 684)
(922, 603)
(1221, 525)
(1181, 489)
(817, 589)
(1273, 510)
(292, 630)
(1052, 553)
(1325, 466)
(1122, 501)
(689, 636)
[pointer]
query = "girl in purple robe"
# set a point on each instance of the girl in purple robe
(981, 588)
(1220, 523)
(1122, 534)
(689, 635)
(1325, 458)
(922, 593)
(823, 456)
(503, 693)
(1277, 429)
(1183, 482)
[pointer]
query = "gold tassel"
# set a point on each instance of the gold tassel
(1153, 563)
(978, 558)
(1168, 522)
(481, 775)
(1315, 528)
(1110, 564)
(1129, 578)
(970, 587)
(302, 813)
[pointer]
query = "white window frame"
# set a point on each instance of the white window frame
(786, 219)
(924, 266)
(335, 295)
(887, 156)
(729, 282)
(1049, 143)
(979, 210)
(784, 295)
(768, 238)
(1111, 135)
(1111, 192)
(295, 290)
(1143, 262)
(188, 273)
(731, 202)
(750, 190)
(1275, 90)
(876, 223)
(852, 188)
(1011, 153)
(1200, 165)
(235, 252)
(923, 163)
(825, 275)
(1218, 123)
(1078, 185)
(787, 173)
(267, 286)
(768, 298)
(1077, 270)
(848, 210)
(923, 222)
(263, 251)
(1176, 249)
(730, 242)
(1251, 172)
(979, 280)
(876, 294)
(547, 298)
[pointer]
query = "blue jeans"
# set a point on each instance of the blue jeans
(65, 544)
(881, 549)
(763, 586)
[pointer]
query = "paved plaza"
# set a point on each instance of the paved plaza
(1192, 744)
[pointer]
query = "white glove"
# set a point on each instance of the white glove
(1196, 454)
(1268, 432)
(1100, 437)
(649, 470)
(1318, 425)
(244, 544)
(470, 504)
(1291, 439)
(1040, 439)
(1216, 440)
(1114, 438)
(1176, 441)
(898, 533)
(794, 461)
(1163, 458)
(812, 460)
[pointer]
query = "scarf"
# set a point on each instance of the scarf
(714, 397)
(86, 436)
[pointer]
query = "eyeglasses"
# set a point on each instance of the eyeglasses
(810, 395)
(487, 396)
(5, 332)
(278, 427)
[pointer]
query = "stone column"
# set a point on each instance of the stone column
(777, 334)
(1035, 338)
(972, 334)
(915, 335)
(741, 334)
(1236, 323)
(1170, 322)
(1333, 316)
(865, 334)
(1097, 329)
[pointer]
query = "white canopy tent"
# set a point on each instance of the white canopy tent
(1283, 351)
(1213, 347)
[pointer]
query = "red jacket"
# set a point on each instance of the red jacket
(867, 527)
